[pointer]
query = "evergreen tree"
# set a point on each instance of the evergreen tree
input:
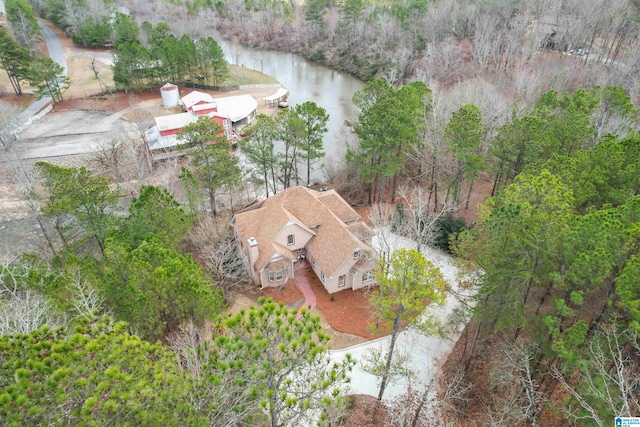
(212, 59)
(464, 135)
(213, 163)
(279, 356)
(23, 23)
(14, 60)
(49, 78)
(259, 148)
(88, 201)
(155, 288)
(93, 373)
(125, 30)
(314, 120)
(154, 212)
(408, 288)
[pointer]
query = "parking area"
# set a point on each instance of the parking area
(69, 133)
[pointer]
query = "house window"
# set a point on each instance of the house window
(313, 261)
(356, 255)
(367, 276)
(276, 276)
(300, 251)
(322, 275)
(291, 239)
(341, 281)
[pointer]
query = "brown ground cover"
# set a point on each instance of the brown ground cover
(346, 314)
(112, 103)
(289, 294)
(365, 411)
(347, 311)
(247, 295)
(18, 101)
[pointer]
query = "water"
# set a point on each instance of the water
(307, 81)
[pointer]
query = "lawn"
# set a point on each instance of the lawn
(245, 76)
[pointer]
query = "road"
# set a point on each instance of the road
(56, 50)
(57, 53)
(104, 57)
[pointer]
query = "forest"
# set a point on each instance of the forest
(124, 319)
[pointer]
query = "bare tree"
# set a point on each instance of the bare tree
(185, 342)
(12, 273)
(213, 239)
(13, 158)
(25, 312)
(224, 402)
(143, 121)
(96, 73)
(611, 381)
(517, 398)
(421, 224)
(381, 216)
(21, 309)
(109, 155)
(87, 301)
(454, 391)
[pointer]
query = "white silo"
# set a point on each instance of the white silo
(170, 95)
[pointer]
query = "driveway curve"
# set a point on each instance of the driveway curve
(54, 45)
(423, 353)
(57, 53)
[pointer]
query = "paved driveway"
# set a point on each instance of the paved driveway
(423, 352)
(57, 53)
(69, 132)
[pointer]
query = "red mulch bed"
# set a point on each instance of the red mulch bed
(349, 311)
(289, 294)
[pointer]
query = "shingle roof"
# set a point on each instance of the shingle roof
(333, 244)
(361, 231)
(337, 205)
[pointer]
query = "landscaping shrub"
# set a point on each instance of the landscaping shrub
(448, 225)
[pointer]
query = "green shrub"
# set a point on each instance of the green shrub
(448, 226)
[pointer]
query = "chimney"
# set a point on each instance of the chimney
(253, 251)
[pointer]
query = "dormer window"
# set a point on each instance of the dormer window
(356, 254)
(291, 239)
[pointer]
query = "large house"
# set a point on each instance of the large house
(300, 225)
(231, 112)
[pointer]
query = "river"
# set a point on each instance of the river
(306, 81)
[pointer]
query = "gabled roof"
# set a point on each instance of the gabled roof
(205, 106)
(236, 108)
(195, 97)
(332, 244)
(337, 205)
(175, 121)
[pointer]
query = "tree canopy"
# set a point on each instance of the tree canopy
(409, 287)
(94, 373)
